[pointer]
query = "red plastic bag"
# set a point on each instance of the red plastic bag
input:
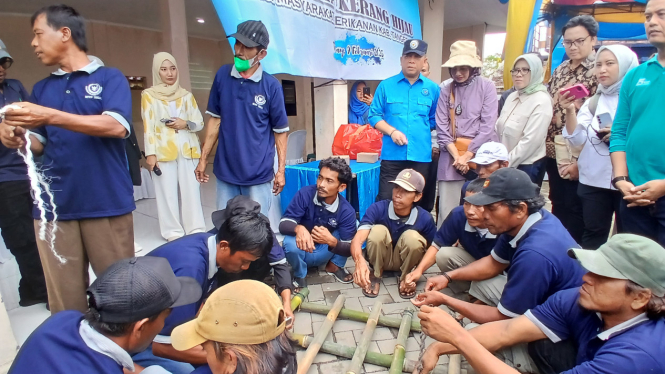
(353, 139)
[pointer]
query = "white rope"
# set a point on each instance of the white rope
(39, 184)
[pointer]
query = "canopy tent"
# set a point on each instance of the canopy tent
(619, 20)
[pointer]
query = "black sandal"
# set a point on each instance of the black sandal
(342, 276)
(375, 283)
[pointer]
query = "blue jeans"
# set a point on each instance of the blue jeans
(147, 358)
(261, 193)
(301, 260)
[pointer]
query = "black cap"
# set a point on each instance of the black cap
(252, 34)
(416, 46)
(238, 204)
(140, 287)
(505, 184)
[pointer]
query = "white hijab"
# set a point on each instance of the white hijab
(537, 74)
(627, 60)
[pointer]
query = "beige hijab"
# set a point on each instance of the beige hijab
(159, 89)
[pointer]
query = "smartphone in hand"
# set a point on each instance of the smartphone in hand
(578, 91)
(366, 91)
(604, 121)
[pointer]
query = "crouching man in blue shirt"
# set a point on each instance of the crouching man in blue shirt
(533, 243)
(243, 238)
(615, 319)
(464, 225)
(128, 305)
(397, 233)
(319, 224)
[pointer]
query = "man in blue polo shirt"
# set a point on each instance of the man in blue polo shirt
(248, 122)
(79, 117)
(16, 224)
(638, 128)
(319, 224)
(128, 305)
(532, 248)
(397, 233)
(464, 225)
(243, 238)
(404, 109)
(615, 319)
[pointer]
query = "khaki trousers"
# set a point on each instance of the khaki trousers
(451, 258)
(98, 241)
(407, 253)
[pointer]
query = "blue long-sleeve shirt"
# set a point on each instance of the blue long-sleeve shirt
(411, 109)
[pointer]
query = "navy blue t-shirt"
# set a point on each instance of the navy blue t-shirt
(305, 209)
(12, 167)
(250, 110)
(188, 256)
(637, 347)
(455, 227)
(539, 263)
(56, 347)
(89, 174)
(383, 213)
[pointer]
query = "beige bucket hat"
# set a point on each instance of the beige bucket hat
(463, 53)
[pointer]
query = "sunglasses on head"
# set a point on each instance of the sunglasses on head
(6, 62)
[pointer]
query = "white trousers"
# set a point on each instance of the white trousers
(178, 174)
(449, 197)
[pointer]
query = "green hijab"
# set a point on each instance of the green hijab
(537, 74)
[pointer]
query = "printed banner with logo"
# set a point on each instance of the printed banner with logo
(336, 39)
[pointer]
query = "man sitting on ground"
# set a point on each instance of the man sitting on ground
(242, 328)
(615, 319)
(128, 305)
(244, 237)
(319, 224)
(533, 243)
(464, 225)
(397, 233)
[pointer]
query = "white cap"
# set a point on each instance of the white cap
(490, 152)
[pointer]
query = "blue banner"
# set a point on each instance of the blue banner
(336, 39)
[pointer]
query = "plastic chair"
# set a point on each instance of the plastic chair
(295, 147)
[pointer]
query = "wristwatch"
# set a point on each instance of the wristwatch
(619, 179)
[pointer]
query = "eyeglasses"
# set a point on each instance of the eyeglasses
(6, 62)
(578, 42)
(523, 71)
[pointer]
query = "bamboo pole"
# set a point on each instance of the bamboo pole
(373, 358)
(454, 364)
(397, 364)
(298, 298)
(366, 338)
(355, 315)
(320, 336)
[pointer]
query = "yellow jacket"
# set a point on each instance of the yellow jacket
(160, 140)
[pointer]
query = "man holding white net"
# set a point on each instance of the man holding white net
(77, 117)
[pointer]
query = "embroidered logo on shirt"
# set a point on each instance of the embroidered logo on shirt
(332, 222)
(259, 101)
(425, 91)
(643, 82)
(93, 90)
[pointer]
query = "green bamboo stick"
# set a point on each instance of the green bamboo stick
(373, 358)
(320, 336)
(298, 298)
(366, 338)
(359, 316)
(400, 349)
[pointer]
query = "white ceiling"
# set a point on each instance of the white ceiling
(146, 13)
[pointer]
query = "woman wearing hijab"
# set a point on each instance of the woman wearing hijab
(525, 117)
(359, 104)
(171, 119)
(465, 118)
(591, 127)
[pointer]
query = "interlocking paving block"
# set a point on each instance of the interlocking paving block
(353, 303)
(316, 326)
(315, 293)
(330, 296)
(320, 279)
(345, 325)
(336, 286)
(357, 292)
(338, 367)
(303, 323)
(324, 357)
(387, 346)
(397, 307)
(412, 343)
(314, 369)
(390, 281)
(345, 338)
(368, 301)
(316, 317)
(381, 333)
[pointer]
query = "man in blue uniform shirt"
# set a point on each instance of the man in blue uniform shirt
(243, 239)
(615, 319)
(128, 305)
(404, 109)
(248, 122)
(18, 230)
(319, 224)
(79, 117)
(464, 225)
(532, 248)
(397, 233)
